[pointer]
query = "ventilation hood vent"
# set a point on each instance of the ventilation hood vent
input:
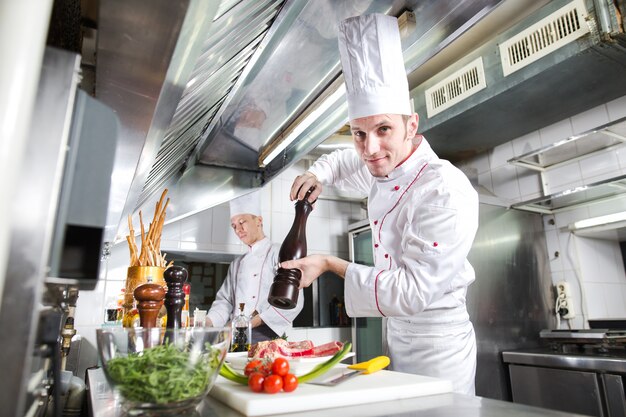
(462, 84)
(549, 34)
(564, 58)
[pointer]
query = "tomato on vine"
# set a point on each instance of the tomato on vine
(290, 382)
(256, 381)
(254, 365)
(272, 384)
(280, 366)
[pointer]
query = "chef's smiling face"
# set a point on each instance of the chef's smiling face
(248, 228)
(384, 141)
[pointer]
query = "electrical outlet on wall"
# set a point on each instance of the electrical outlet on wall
(565, 304)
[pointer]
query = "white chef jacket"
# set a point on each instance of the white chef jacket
(423, 216)
(248, 281)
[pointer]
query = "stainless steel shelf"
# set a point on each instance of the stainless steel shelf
(575, 147)
(576, 197)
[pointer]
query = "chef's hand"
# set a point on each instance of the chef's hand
(256, 320)
(313, 266)
(302, 184)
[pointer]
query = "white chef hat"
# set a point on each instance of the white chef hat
(246, 204)
(373, 66)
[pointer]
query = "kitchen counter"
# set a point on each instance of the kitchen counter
(585, 380)
(612, 360)
(103, 402)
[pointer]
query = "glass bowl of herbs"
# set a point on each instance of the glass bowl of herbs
(160, 371)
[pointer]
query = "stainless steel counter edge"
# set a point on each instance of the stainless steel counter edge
(105, 403)
(606, 363)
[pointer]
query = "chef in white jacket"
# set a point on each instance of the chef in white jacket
(250, 276)
(423, 213)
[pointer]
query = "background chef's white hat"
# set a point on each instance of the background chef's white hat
(246, 204)
(373, 67)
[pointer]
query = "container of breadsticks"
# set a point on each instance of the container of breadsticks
(147, 263)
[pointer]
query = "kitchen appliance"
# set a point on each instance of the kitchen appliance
(599, 339)
(58, 216)
(578, 371)
(367, 332)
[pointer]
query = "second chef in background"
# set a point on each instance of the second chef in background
(250, 276)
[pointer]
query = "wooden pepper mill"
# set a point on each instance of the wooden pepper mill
(284, 290)
(149, 301)
(175, 277)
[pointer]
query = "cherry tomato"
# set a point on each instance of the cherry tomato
(272, 384)
(254, 365)
(290, 382)
(280, 367)
(256, 381)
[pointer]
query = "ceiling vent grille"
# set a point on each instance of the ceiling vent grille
(456, 87)
(549, 34)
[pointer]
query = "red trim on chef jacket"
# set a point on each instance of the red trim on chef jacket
(398, 201)
(376, 294)
(381, 227)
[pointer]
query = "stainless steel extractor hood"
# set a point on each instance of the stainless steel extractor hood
(565, 58)
(206, 90)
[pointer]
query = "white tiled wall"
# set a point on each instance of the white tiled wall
(593, 267)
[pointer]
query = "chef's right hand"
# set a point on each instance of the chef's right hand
(311, 267)
(302, 184)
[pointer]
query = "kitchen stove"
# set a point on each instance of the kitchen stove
(578, 371)
(585, 340)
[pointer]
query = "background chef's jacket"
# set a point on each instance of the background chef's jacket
(248, 281)
(423, 216)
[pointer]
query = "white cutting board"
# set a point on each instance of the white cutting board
(379, 386)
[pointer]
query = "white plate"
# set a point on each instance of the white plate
(297, 366)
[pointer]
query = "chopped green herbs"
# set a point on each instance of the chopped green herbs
(163, 374)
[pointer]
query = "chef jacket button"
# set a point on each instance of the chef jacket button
(256, 275)
(386, 255)
(375, 221)
(253, 296)
(435, 244)
(396, 187)
(375, 245)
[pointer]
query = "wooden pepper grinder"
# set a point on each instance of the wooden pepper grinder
(149, 298)
(284, 290)
(175, 277)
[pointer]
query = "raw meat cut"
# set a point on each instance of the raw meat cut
(327, 349)
(280, 348)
